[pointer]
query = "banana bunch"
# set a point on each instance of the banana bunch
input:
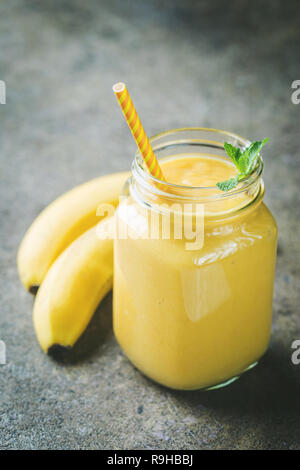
(62, 257)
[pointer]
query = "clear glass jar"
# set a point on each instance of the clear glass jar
(194, 318)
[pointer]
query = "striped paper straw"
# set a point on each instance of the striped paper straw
(137, 130)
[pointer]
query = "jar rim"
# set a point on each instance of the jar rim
(191, 191)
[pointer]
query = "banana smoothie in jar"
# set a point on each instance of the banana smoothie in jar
(193, 265)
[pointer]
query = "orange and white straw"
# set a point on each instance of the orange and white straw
(137, 130)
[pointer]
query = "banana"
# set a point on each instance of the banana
(61, 223)
(73, 287)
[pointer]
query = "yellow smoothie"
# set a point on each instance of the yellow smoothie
(192, 319)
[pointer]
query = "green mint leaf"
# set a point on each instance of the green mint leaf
(233, 152)
(244, 161)
(228, 184)
(248, 159)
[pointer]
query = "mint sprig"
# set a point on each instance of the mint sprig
(244, 161)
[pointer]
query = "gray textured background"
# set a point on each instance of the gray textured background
(209, 63)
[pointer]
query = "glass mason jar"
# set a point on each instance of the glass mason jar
(193, 315)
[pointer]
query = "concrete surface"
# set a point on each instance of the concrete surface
(186, 64)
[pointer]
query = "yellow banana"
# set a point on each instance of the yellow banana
(62, 222)
(73, 287)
